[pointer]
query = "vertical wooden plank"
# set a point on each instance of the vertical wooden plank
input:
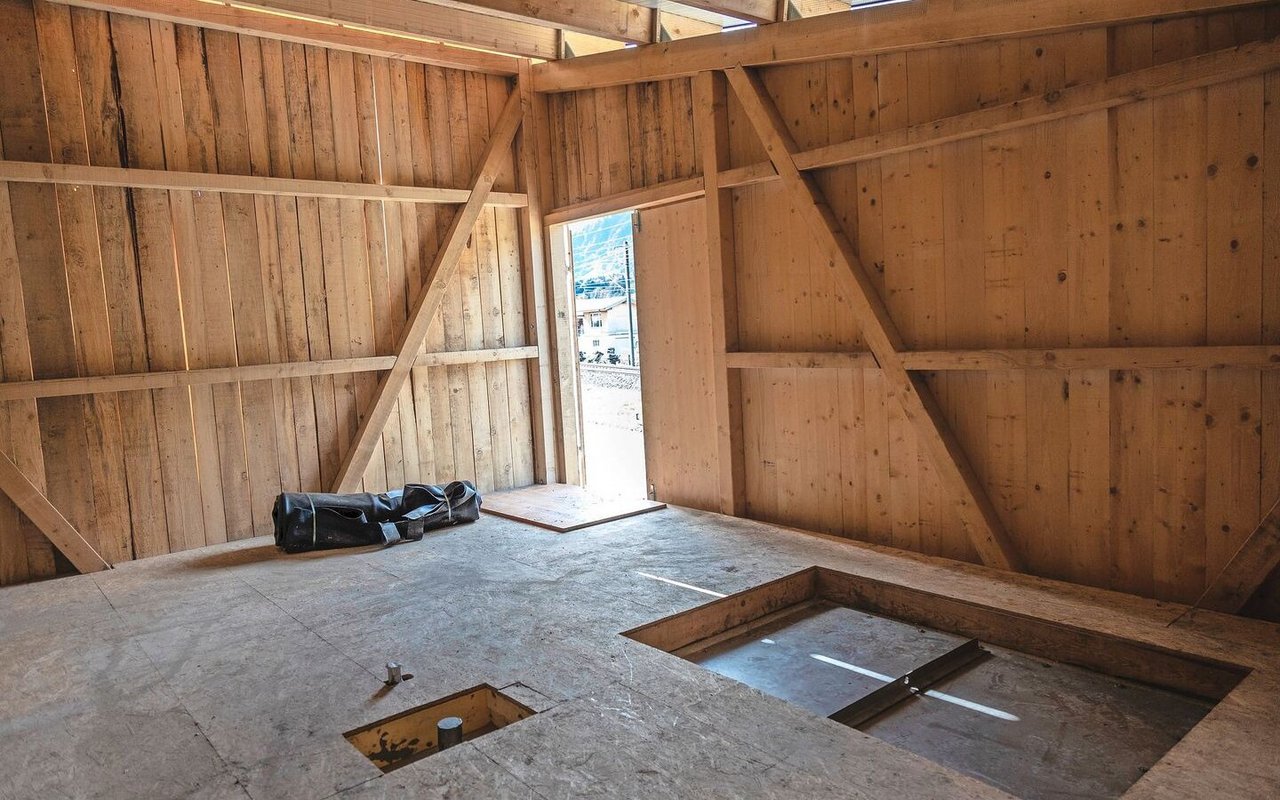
(1047, 302)
(1234, 314)
(508, 383)
(928, 99)
(189, 253)
(245, 268)
(437, 167)
(966, 394)
(546, 300)
(1180, 293)
(104, 134)
(898, 189)
(161, 302)
(712, 120)
(677, 403)
(1088, 167)
(422, 221)
(298, 91)
(334, 293)
(471, 276)
(1270, 484)
(453, 312)
(387, 469)
(207, 305)
(25, 552)
(870, 244)
(108, 529)
(530, 281)
(292, 339)
(398, 243)
(1131, 308)
(253, 68)
(34, 214)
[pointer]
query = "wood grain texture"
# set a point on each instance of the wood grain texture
(1091, 250)
(200, 237)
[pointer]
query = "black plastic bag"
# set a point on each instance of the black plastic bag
(326, 521)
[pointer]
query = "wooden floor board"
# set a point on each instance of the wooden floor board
(562, 507)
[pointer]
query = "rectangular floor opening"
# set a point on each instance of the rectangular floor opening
(409, 736)
(1033, 707)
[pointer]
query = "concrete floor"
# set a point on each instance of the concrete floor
(233, 671)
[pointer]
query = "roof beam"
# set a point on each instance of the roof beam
(392, 17)
(974, 509)
(1256, 559)
(421, 19)
(608, 19)
(880, 29)
(761, 11)
(671, 27)
(258, 22)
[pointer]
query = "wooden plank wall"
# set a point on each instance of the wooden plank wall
(1151, 224)
(606, 141)
(97, 281)
(677, 402)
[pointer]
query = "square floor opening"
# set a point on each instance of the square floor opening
(1033, 707)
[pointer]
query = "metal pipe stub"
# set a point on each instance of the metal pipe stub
(449, 732)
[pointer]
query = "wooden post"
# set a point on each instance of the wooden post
(976, 512)
(711, 109)
(533, 255)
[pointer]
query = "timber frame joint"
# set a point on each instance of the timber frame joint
(976, 511)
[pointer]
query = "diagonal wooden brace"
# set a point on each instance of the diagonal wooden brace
(976, 511)
(30, 501)
(429, 298)
(1244, 574)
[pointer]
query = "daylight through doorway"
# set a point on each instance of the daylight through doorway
(602, 253)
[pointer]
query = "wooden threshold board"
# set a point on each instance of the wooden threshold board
(562, 507)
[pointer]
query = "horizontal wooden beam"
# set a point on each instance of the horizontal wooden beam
(881, 29)
(1177, 76)
(608, 19)
(136, 381)
(477, 356)
(425, 20)
(658, 194)
(1244, 574)
(49, 520)
(127, 177)
(759, 11)
(1263, 357)
(768, 360)
(259, 22)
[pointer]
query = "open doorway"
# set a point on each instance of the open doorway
(602, 254)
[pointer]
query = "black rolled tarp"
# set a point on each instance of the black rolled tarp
(326, 521)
